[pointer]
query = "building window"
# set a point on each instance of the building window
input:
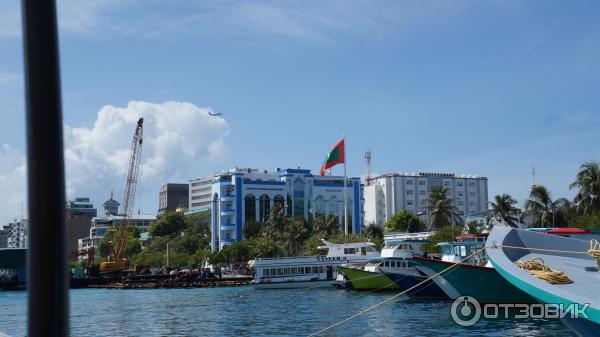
(471, 184)
(459, 184)
(446, 183)
(460, 203)
(250, 208)
(422, 192)
(422, 182)
(471, 194)
(409, 202)
(264, 207)
(471, 203)
(410, 192)
(409, 182)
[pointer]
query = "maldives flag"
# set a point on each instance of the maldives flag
(336, 156)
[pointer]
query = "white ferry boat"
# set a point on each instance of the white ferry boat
(310, 271)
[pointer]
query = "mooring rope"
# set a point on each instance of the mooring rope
(373, 307)
(594, 250)
(541, 270)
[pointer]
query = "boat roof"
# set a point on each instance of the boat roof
(565, 231)
(403, 236)
(562, 253)
(329, 245)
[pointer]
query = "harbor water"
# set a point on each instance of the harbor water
(243, 311)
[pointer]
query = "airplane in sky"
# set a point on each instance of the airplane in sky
(215, 113)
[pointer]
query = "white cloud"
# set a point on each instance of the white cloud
(181, 141)
(177, 136)
(12, 183)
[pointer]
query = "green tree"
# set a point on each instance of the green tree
(326, 226)
(473, 227)
(375, 234)
(276, 224)
(264, 247)
(442, 212)
(252, 229)
(587, 199)
(295, 235)
(544, 211)
(404, 221)
(442, 234)
(504, 206)
(169, 224)
(199, 257)
(587, 221)
(311, 246)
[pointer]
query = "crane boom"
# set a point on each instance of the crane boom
(120, 249)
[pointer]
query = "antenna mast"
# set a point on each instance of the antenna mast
(367, 157)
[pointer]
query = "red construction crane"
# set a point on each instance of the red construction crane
(118, 262)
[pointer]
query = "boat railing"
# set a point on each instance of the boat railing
(407, 236)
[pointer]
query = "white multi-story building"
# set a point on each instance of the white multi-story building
(17, 238)
(200, 196)
(389, 194)
(240, 196)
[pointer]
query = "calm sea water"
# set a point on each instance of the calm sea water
(243, 311)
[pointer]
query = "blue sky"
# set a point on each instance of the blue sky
(470, 87)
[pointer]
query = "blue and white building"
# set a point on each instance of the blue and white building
(248, 195)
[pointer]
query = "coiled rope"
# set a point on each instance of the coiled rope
(594, 250)
(539, 269)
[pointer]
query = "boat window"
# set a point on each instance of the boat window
(363, 250)
(273, 272)
(349, 250)
(386, 264)
(287, 271)
(279, 271)
(320, 269)
(392, 264)
(265, 272)
(294, 271)
(463, 251)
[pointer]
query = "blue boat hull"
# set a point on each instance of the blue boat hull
(427, 290)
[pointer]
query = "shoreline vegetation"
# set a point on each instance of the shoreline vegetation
(188, 236)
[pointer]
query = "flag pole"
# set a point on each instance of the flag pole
(345, 192)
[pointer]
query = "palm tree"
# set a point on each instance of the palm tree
(543, 210)
(587, 199)
(441, 210)
(277, 223)
(295, 235)
(326, 226)
(503, 205)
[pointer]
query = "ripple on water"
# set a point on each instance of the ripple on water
(243, 311)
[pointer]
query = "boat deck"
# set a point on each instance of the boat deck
(578, 270)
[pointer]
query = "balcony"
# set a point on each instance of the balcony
(227, 226)
(227, 211)
(227, 197)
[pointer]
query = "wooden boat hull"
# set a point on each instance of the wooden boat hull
(484, 284)
(581, 268)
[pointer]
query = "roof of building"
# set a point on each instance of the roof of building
(428, 174)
